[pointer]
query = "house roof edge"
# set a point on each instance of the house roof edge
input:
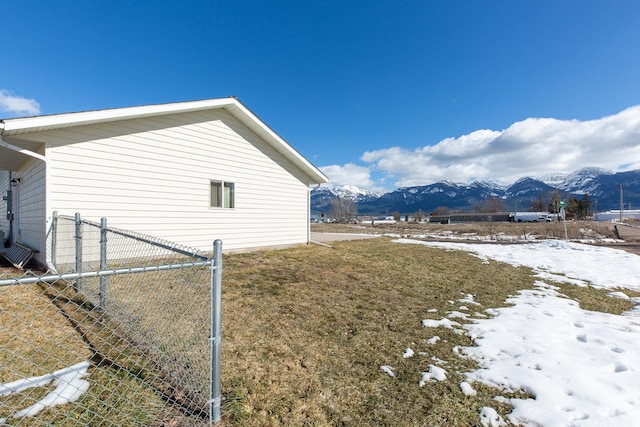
(17, 126)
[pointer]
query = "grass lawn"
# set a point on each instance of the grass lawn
(305, 331)
(48, 328)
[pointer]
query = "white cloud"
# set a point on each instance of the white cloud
(14, 104)
(532, 147)
(350, 174)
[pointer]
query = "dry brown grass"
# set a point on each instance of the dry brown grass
(306, 330)
(28, 338)
(494, 230)
(598, 299)
(48, 328)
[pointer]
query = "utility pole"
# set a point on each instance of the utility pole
(621, 204)
(563, 215)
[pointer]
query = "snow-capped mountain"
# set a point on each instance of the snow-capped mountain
(580, 180)
(352, 192)
(321, 197)
(600, 185)
(554, 179)
(527, 188)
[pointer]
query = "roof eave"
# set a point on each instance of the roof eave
(17, 126)
(58, 121)
(246, 116)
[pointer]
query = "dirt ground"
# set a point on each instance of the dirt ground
(631, 237)
(327, 233)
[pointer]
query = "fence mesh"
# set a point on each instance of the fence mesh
(107, 349)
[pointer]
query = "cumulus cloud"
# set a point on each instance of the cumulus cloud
(531, 147)
(350, 174)
(18, 105)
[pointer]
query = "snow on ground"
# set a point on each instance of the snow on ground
(603, 267)
(435, 373)
(581, 366)
(588, 236)
(69, 384)
(388, 370)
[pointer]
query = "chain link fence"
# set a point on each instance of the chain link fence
(126, 331)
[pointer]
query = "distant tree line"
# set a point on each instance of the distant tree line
(580, 208)
(345, 210)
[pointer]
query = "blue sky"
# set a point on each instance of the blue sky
(377, 94)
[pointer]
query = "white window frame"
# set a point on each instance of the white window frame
(226, 194)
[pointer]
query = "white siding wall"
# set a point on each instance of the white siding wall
(31, 215)
(153, 176)
(4, 186)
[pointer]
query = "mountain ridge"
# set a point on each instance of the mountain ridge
(602, 186)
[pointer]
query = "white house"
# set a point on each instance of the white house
(188, 172)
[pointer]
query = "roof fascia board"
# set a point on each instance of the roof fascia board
(55, 121)
(259, 127)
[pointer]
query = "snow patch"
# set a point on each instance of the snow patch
(69, 382)
(408, 353)
(489, 418)
(433, 339)
(467, 389)
(435, 373)
(618, 294)
(579, 366)
(388, 370)
(431, 323)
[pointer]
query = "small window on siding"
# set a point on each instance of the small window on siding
(222, 194)
(228, 195)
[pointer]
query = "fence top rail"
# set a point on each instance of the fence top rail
(49, 278)
(163, 244)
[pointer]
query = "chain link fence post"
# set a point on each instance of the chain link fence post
(78, 239)
(216, 338)
(103, 262)
(54, 236)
